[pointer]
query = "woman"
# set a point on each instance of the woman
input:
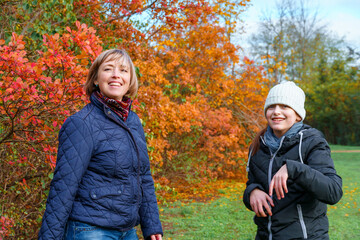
(293, 161)
(102, 186)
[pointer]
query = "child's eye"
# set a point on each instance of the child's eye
(124, 70)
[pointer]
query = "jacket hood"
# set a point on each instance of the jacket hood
(305, 132)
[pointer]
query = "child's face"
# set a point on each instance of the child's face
(281, 118)
(113, 79)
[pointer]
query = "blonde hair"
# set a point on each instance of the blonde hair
(108, 55)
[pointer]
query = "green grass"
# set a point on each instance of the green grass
(227, 217)
(224, 218)
(342, 147)
(344, 217)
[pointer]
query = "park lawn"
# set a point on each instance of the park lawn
(223, 218)
(344, 217)
(227, 218)
(335, 148)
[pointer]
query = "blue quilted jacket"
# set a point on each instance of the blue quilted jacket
(102, 175)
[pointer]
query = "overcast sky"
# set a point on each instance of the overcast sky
(342, 16)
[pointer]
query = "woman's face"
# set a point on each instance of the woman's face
(113, 79)
(281, 118)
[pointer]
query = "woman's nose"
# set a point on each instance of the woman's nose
(116, 73)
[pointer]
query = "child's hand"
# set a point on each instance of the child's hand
(259, 201)
(279, 183)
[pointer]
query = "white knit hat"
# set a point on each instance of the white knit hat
(289, 94)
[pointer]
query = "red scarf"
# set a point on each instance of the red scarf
(121, 108)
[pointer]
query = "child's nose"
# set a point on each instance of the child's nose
(277, 109)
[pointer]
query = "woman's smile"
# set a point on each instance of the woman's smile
(113, 79)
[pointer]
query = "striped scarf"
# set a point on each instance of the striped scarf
(121, 108)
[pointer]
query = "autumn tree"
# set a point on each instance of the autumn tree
(36, 97)
(295, 46)
(199, 103)
(294, 36)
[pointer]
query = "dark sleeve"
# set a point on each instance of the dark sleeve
(149, 212)
(318, 175)
(250, 186)
(74, 154)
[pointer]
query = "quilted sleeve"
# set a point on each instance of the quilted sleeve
(74, 154)
(318, 176)
(149, 213)
(250, 186)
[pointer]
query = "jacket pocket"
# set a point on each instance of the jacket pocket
(302, 222)
(104, 192)
(119, 199)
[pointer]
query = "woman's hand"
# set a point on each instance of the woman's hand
(156, 237)
(259, 201)
(279, 183)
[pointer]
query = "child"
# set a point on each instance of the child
(291, 176)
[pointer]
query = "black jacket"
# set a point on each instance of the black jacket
(312, 183)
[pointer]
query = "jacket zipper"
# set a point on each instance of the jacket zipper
(299, 209)
(137, 152)
(269, 181)
(109, 114)
(302, 222)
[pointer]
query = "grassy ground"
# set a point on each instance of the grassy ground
(335, 148)
(345, 216)
(224, 218)
(227, 218)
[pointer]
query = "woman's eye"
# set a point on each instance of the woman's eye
(124, 70)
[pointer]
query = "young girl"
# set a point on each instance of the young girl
(102, 186)
(291, 176)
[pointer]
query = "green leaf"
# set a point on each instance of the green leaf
(137, 70)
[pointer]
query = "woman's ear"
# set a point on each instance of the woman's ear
(298, 118)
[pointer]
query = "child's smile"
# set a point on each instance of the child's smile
(281, 118)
